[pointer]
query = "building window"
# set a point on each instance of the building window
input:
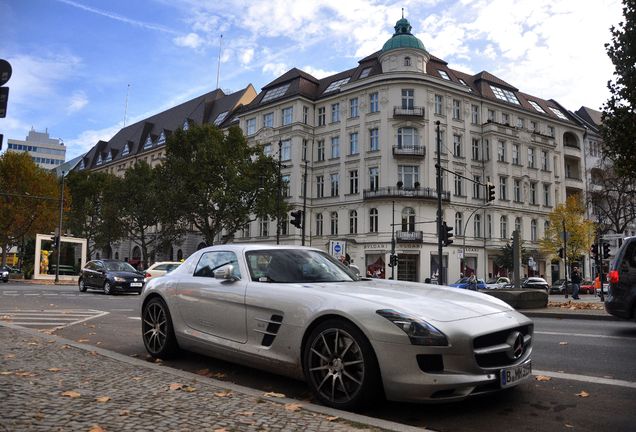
(518, 227)
(334, 223)
(321, 116)
(374, 178)
(474, 114)
(408, 175)
(459, 186)
(501, 151)
(515, 154)
(551, 131)
(285, 183)
(531, 157)
(304, 149)
(335, 112)
(533, 230)
(284, 225)
(456, 109)
(533, 193)
(374, 139)
(546, 195)
(319, 224)
(489, 226)
(353, 222)
(353, 107)
(476, 186)
(335, 147)
(492, 116)
(444, 75)
(502, 188)
(533, 126)
(505, 118)
(504, 95)
(408, 219)
(439, 101)
(516, 190)
(476, 148)
(407, 61)
(374, 105)
(373, 220)
(267, 149)
(251, 126)
(503, 227)
(546, 227)
(545, 161)
(335, 184)
(321, 150)
(408, 99)
(320, 186)
(353, 181)
(286, 150)
(365, 73)
(521, 123)
(148, 143)
(487, 150)
(288, 114)
(477, 225)
(263, 227)
(457, 145)
(407, 137)
(459, 219)
(305, 115)
(353, 143)
(268, 120)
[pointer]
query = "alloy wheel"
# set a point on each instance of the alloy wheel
(155, 327)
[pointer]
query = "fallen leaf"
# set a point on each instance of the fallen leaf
(65, 347)
(6, 373)
(218, 375)
(293, 407)
(96, 428)
(102, 399)
(134, 355)
(224, 393)
(92, 333)
(25, 374)
(175, 386)
(124, 412)
(272, 394)
(563, 343)
(568, 425)
(98, 343)
(33, 343)
(83, 340)
(583, 394)
(9, 356)
(72, 394)
(93, 353)
(137, 378)
(221, 430)
(204, 372)
(158, 360)
(246, 413)
(54, 369)
(332, 418)
(542, 378)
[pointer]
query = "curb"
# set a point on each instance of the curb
(568, 315)
(319, 409)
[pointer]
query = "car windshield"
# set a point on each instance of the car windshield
(119, 266)
(492, 281)
(296, 265)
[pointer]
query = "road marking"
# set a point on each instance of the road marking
(590, 335)
(55, 319)
(585, 378)
(122, 310)
(135, 318)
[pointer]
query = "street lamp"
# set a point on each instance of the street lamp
(278, 193)
(59, 234)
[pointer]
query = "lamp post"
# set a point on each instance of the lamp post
(59, 234)
(278, 191)
(302, 230)
(438, 165)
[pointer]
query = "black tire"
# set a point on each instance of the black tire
(108, 288)
(340, 365)
(157, 331)
(81, 285)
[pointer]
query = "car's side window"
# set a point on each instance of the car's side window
(211, 261)
(91, 266)
(161, 267)
(630, 256)
(99, 266)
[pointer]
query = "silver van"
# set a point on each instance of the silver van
(621, 296)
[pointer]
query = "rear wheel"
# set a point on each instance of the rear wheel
(340, 365)
(157, 330)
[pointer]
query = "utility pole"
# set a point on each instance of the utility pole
(59, 234)
(304, 204)
(278, 191)
(438, 165)
(565, 257)
(392, 240)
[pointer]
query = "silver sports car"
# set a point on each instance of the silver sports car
(299, 312)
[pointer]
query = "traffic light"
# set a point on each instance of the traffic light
(447, 233)
(5, 74)
(606, 250)
(393, 260)
(297, 219)
(561, 254)
(491, 191)
(594, 251)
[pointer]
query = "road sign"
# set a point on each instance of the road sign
(337, 248)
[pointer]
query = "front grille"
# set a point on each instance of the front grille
(502, 348)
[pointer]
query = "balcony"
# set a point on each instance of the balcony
(416, 151)
(395, 192)
(409, 236)
(408, 112)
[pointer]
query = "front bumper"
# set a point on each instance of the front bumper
(127, 287)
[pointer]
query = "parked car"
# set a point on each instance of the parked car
(111, 276)
(160, 269)
(297, 311)
(558, 286)
(4, 274)
(463, 283)
(621, 293)
(605, 290)
(587, 287)
(535, 283)
(498, 282)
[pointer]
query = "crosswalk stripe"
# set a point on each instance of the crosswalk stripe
(55, 319)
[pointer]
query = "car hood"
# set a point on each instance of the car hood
(127, 275)
(432, 302)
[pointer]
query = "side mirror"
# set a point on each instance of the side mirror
(226, 272)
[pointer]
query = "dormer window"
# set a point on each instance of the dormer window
(275, 93)
(365, 72)
(99, 160)
(558, 113)
(536, 106)
(336, 85)
(148, 143)
(162, 138)
(407, 61)
(82, 165)
(219, 119)
(504, 95)
(126, 150)
(109, 157)
(444, 75)
(185, 125)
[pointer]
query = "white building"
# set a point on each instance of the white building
(46, 152)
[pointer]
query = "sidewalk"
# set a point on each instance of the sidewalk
(588, 307)
(52, 384)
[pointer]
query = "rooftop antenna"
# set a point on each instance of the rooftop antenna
(218, 68)
(126, 106)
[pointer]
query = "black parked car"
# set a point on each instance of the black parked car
(621, 295)
(111, 276)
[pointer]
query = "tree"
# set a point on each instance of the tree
(505, 257)
(580, 231)
(216, 182)
(619, 112)
(613, 198)
(93, 215)
(140, 202)
(29, 200)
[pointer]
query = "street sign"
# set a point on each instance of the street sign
(460, 253)
(5, 72)
(337, 248)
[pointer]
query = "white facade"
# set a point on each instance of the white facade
(46, 152)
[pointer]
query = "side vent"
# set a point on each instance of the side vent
(273, 325)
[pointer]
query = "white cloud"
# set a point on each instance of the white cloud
(318, 73)
(247, 56)
(77, 101)
(275, 69)
(191, 40)
(87, 139)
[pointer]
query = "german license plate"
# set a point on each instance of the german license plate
(512, 375)
(136, 284)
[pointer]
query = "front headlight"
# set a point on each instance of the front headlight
(120, 279)
(419, 331)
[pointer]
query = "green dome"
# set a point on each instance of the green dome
(403, 38)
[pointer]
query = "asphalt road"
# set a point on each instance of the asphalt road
(574, 358)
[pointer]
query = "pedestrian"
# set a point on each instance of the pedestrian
(472, 282)
(576, 283)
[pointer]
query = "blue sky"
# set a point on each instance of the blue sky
(75, 60)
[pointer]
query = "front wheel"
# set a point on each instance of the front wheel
(108, 288)
(157, 330)
(340, 365)
(82, 285)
